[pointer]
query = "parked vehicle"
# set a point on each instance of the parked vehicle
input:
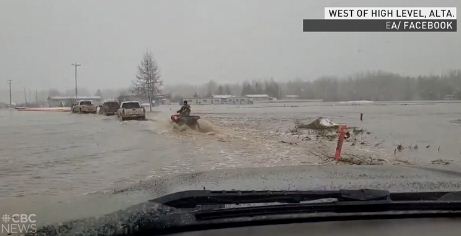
(131, 110)
(84, 106)
(109, 108)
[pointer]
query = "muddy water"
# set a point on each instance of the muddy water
(63, 154)
(426, 131)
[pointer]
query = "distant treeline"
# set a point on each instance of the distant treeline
(379, 86)
(376, 86)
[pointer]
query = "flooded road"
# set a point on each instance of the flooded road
(63, 154)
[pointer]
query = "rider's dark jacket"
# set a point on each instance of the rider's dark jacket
(185, 110)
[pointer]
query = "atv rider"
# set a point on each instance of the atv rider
(185, 109)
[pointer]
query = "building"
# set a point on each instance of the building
(238, 100)
(449, 97)
(229, 99)
(198, 101)
(259, 97)
(129, 97)
(219, 100)
(67, 101)
(292, 96)
(160, 99)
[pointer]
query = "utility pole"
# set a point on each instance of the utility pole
(9, 83)
(75, 68)
(36, 97)
(25, 96)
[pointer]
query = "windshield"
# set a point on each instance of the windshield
(100, 112)
(112, 104)
(130, 105)
(87, 103)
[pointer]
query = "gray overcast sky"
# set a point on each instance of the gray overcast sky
(199, 40)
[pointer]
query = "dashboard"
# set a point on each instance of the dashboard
(386, 227)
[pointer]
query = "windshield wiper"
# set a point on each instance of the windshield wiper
(194, 198)
(212, 205)
(199, 210)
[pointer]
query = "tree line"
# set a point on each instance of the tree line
(379, 86)
(376, 86)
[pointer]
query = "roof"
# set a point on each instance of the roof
(222, 96)
(257, 95)
(110, 100)
(132, 101)
(73, 97)
(107, 101)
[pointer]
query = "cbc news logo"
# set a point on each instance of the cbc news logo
(18, 223)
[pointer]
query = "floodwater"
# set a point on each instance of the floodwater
(64, 154)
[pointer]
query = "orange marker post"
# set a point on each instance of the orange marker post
(342, 130)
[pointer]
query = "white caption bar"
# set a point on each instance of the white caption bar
(384, 13)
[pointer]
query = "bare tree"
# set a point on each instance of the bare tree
(53, 92)
(227, 90)
(98, 93)
(147, 82)
(211, 88)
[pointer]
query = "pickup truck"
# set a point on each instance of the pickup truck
(109, 108)
(131, 110)
(84, 106)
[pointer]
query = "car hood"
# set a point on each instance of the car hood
(333, 177)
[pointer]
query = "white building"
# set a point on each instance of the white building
(219, 100)
(259, 97)
(67, 101)
(238, 100)
(292, 96)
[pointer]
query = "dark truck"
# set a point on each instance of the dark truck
(109, 108)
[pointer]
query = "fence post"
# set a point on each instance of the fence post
(342, 129)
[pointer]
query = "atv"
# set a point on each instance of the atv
(190, 121)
